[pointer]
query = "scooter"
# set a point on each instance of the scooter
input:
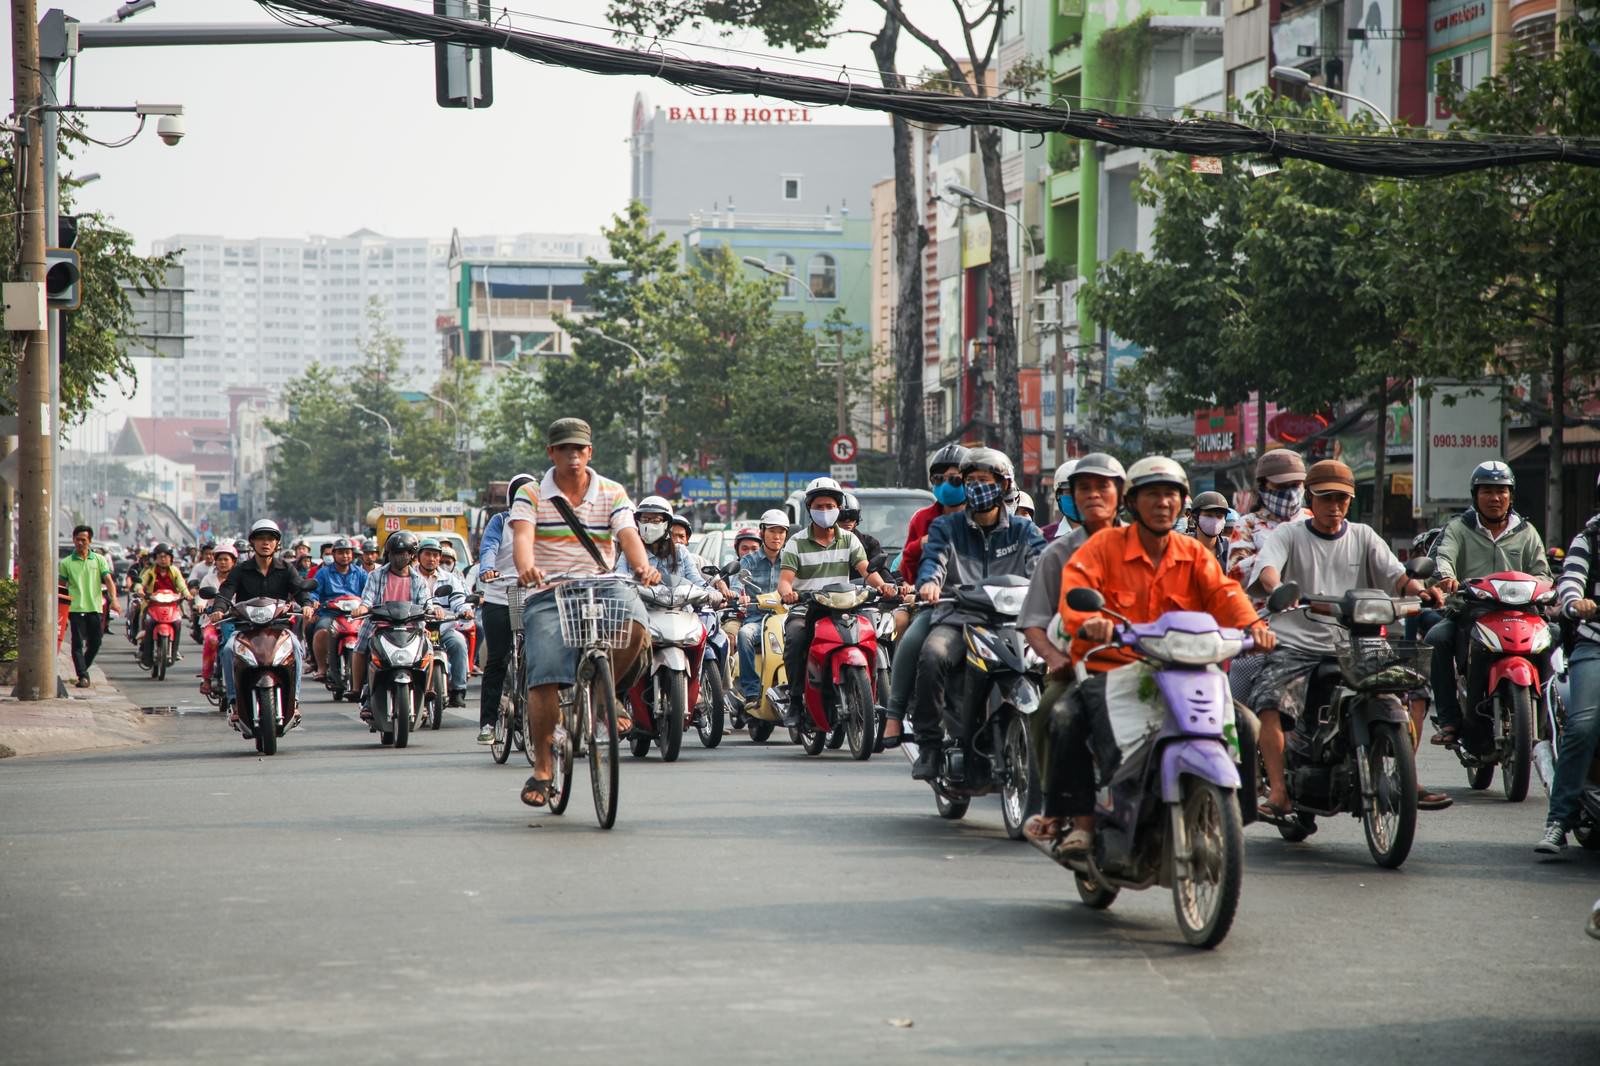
(209, 639)
(264, 670)
(1168, 812)
(662, 697)
(765, 714)
(838, 686)
(343, 636)
(708, 714)
(1510, 646)
(997, 694)
(158, 650)
(440, 681)
(401, 660)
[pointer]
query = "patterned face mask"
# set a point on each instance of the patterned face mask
(1284, 503)
(982, 495)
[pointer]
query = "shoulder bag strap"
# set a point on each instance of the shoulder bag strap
(559, 502)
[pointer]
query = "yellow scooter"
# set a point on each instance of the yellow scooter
(764, 717)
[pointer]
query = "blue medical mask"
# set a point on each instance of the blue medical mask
(950, 495)
(982, 495)
(1069, 507)
(824, 519)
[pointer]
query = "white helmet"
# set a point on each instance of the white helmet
(774, 517)
(267, 526)
(824, 486)
(654, 505)
(1024, 500)
(1063, 472)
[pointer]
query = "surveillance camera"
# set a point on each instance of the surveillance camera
(170, 129)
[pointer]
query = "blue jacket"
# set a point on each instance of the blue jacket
(682, 566)
(331, 584)
(763, 574)
(958, 552)
(489, 541)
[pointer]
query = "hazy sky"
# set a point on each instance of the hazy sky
(293, 140)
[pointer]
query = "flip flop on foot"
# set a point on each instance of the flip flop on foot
(1445, 736)
(1271, 812)
(1432, 801)
(536, 791)
(1042, 829)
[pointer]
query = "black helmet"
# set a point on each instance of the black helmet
(850, 510)
(342, 544)
(209, 545)
(1493, 472)
(160, 549)
(946, 457)
(403, 541)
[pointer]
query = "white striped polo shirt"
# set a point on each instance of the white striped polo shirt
(819, 566)
(604, 511)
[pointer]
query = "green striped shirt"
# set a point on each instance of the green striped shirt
(819, 566)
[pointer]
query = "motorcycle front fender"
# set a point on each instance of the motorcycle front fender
(670, 658)
(1515, 669)
(1376, 709)
(1209, 760)
(850, 655)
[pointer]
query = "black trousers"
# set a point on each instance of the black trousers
(1072, 724)
(86, 627)
(798, 629)
(940, 692)
(495, 622)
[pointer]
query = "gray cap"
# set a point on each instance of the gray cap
(1210, 501)
(570, 431)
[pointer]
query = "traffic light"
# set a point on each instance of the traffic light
(463, 76)
(67, 231)
(63, 283)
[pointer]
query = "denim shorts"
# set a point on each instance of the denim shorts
(546, 658)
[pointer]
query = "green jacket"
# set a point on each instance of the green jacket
(1466, 552)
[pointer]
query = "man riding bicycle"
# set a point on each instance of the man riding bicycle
(543, 542)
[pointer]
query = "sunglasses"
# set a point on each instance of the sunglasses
(952, 478)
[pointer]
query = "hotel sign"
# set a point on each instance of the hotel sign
(739, 116)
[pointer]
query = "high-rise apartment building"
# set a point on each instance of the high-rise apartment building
(259, 311)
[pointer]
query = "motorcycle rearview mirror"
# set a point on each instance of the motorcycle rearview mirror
(474, 599)
(208, 591)
(1420, 567)
(1085, 600)
(733, 567)
(710, 571)
(307, 585)
(1283, 597)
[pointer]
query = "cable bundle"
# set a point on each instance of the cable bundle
(1420, 156)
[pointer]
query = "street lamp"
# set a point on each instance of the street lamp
(389, 427)
(842, 416)
(464, 436)
(973, 198)
(1297, 76)
(638, 437)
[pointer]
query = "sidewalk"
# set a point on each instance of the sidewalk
(97, 717)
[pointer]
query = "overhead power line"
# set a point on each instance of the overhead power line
(1421, 156)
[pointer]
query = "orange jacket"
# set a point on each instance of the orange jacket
(1189, 578)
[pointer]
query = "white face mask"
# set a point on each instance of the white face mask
(650, 532)
(1210, 525)
(824, 519)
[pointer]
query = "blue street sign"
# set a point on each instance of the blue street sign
(665, 486)
(228, 501)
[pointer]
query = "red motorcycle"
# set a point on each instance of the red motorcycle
(342, 651)
(664, 697)
(263, 670)
(163, 619)
(840, 702)
(1506, 679)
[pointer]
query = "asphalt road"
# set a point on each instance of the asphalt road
(189, 901)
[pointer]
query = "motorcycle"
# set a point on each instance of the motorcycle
(440, 682)
(765, 714)
(997, 693)
(711, 708)
(663, 695)
(158, 649)
(728, 620)
(264, 670)
(839, 701)
(1510, 648)
(209, 639)
(401, 660)
(1169, 813)
(1350, 751)
(342, 638)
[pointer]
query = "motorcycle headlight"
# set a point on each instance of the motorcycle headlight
(1541, 640)
(980, 646)
(1025, 696)
(1007, 599)
(774, 643)
(1489, 637)
(842, 600)
(260, 615)
(1373, 612)
(1191, 649)
(1514, 592)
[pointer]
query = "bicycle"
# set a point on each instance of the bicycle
(594, 620)
(511, 726)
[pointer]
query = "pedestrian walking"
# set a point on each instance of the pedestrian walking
(87, 575)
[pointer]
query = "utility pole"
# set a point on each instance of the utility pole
(843, 415)
(36, 608)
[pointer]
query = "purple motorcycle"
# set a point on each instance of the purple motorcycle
(1169, 814)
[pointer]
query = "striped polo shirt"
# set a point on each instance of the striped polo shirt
(819, 566)
(604, 511)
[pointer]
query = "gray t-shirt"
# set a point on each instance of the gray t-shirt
(1044, 591)
(1324, 566)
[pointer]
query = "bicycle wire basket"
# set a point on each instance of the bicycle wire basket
(1378, 662)
(594, 612)
(516, 595)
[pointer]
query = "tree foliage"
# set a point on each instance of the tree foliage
(797, 24)
(99, 345)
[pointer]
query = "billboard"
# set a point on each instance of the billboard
(1375, 60)
(1462, 424)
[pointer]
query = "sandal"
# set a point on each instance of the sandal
(1271, 812)
(1432, 801)
(1074, 843)
(536, 790)
(1445, 736)
(1042, 829)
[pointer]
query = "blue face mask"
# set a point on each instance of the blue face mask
(1069, 507)
(950, 495)
(824, 519)
(982, 496)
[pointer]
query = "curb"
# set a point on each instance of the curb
(98, 718)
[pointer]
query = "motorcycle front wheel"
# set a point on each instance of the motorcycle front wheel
(1516, 768)
(1206, 896)
(708, 716)
(812, 740)
(1390, 817)
(760, 730)
(860, 716)
(402, 717)
(1018, 796)
(673, 714)
(267, 720)
(438, 693)
(158, 661)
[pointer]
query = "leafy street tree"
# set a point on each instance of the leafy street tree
(1499, 265)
